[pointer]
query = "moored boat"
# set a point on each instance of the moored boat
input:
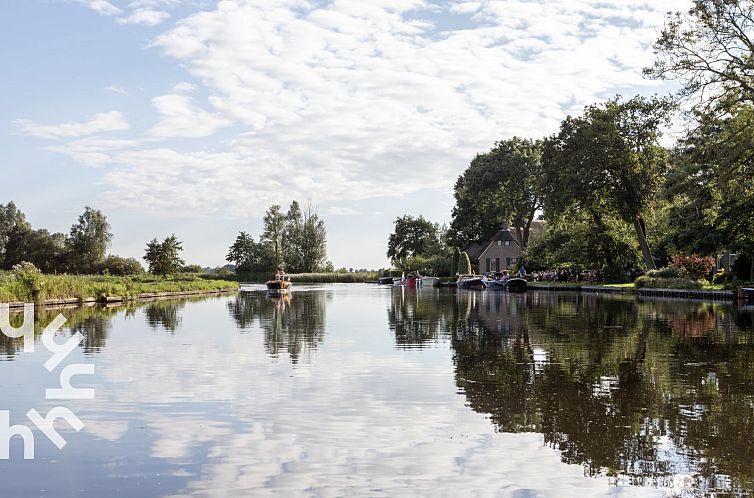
(385, 281)
(516, 285)
(470, 282)
(429, 282)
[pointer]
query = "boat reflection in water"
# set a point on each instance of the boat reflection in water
(652, 393)
(292, 323)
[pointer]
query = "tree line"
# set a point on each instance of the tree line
(83, 250)
(613, 196)
(295, 240)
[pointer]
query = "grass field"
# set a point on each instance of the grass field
(99, 287)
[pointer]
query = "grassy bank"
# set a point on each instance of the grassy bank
(40, 287)
(311, 278)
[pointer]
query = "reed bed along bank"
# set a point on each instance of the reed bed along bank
(100, 287)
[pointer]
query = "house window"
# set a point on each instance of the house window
(507, 242)
(497, 264)
(488, 264)
(499, 243)
(508, 262)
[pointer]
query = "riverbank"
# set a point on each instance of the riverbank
(700, 294)
(53, 290)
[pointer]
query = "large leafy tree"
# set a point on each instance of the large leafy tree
(710, 50)
(11, 218)
(89, 240)
(608, 163)
(294, 239)
(499, 186)
(163, 257)
(244, 253)
(413, 237)
(313, 242)
(713, 188)
(273, 236)
(45, 250)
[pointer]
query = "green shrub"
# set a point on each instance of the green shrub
(667, 272)
(723, 277)
(646, 281)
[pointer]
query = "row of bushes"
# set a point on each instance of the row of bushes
(26, 283)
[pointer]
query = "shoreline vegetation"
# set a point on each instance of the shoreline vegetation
(38, 288)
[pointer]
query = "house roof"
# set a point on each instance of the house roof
(502, 235)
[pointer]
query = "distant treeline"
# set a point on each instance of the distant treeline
(82, 250)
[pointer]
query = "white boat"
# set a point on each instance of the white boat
(429, 282)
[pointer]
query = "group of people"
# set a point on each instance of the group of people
(558, 275)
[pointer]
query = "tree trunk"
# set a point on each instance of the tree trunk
(609, 260)
(641, 236)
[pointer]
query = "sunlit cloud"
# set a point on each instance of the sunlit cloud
(101, 122)
(348, 100)
(144, 16)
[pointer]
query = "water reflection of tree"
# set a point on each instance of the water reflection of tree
(165, 314)
(415, 317)
(294, 323)
(618, 386)
(93, 322)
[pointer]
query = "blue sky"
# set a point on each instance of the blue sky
(192, 117)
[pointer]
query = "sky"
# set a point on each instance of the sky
(194, 116)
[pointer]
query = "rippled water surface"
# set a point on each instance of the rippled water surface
(360, 390)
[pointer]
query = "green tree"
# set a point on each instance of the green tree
(608, 163)
(313, 244)
(117, 265)
(413, 237)
(244, 253)
(45, 250)
(710, 50)
(163, 257)
(294, 239)
(10, 218)
(273, 236)
(499, 186)
(89, 240)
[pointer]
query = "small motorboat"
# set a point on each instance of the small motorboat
(495, 285)
(470, 282)
(278, 285)
(429, 282)
(516, 285)
(385, 281)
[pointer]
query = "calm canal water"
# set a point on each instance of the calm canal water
(356, 390)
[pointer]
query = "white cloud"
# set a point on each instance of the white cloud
(353, 99)
(144, 16)
(105, 121)
(102, 7)
(340, 211)
(94, 152)
(117, 89)
(184, 87)
(179, 117)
